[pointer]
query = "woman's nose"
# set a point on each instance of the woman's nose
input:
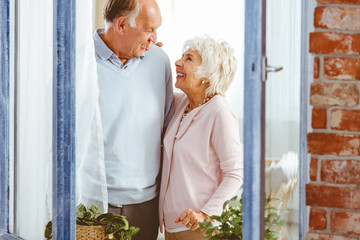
(178, 63)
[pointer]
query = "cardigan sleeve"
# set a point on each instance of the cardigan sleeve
(169, 101)
(225, 141)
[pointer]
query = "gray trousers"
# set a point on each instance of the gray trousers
(143, 215)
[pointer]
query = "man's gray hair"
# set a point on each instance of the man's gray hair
(114, 9)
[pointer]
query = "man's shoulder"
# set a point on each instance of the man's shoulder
(156, 51)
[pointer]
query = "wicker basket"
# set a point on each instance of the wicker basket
(90, 232)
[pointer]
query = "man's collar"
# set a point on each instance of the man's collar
(100, 47)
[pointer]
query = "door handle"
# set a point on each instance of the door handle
(266, 68)
(273, 69)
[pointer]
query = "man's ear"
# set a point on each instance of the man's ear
(121, 24)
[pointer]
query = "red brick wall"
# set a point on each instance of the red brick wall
(333, 192)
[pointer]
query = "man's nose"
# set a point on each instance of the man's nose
(153, 37)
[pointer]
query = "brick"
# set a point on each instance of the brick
(345, 222)
(313, 169)
(317, 219)
(334, 94)
(324, 236)
(340, 1)
(342, 18)
(340, 171)
(345, 119)
(318, 118)
(333, 197)
(342, 68)
(316, 67)
(336, 144)
(336, 43)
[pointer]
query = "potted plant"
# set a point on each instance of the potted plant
(91, 223)
(231, 221)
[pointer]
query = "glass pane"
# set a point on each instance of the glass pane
(34, 118)
(283, 108)
(181, 22)
(186, 19)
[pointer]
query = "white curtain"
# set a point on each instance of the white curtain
(34, 112)
(283, 48)
(90, 176)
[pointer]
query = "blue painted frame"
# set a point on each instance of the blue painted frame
(254, 121)
(4, 119)
(304, 103)
(64, 202)
(64, 122)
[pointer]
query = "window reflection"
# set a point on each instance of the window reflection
(283, 35)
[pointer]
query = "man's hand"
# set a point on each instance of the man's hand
(159, 44)
(191, 219)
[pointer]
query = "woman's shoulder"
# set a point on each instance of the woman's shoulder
(180, 100)
(220, 106)
(219, 103)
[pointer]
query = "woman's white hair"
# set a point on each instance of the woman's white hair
(218, 63)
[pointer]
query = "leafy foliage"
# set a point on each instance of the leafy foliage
(231, 221)
(116, 226)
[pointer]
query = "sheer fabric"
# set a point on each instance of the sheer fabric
(91, 184)
(283, 88)
(33, 195)
(283, 46)
(34, 118)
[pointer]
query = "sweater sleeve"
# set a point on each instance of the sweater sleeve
(225, 141)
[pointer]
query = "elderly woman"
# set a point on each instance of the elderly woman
(203, 158)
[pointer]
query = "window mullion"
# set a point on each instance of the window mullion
(4, 115)
(64, 220)
(254, 121)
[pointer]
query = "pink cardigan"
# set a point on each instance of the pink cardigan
(203, 160)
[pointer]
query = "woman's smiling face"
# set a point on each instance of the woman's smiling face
(185, 71)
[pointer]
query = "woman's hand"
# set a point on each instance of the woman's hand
(191, 219)
(159, 44)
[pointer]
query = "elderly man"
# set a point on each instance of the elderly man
(135, 102)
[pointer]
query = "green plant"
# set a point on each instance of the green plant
(116, 226)
(231, 221)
